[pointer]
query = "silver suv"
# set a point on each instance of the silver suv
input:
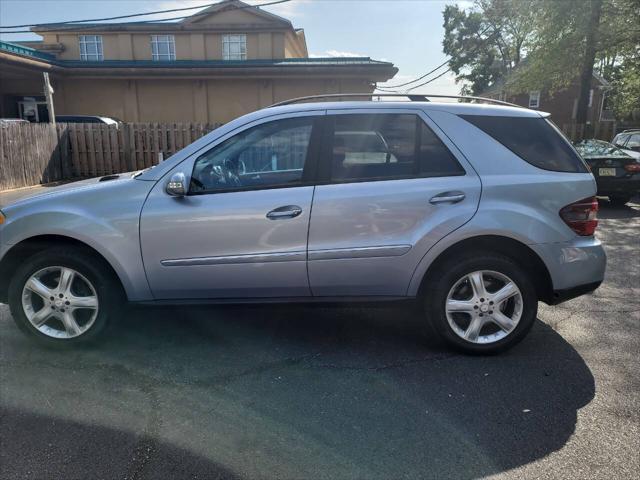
(477, 211)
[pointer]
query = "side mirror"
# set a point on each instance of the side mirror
(177, 185)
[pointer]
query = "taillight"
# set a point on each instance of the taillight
(632, 168)
(581, 216)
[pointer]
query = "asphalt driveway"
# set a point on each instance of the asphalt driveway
(334, 393)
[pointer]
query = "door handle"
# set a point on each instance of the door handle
(447, 197)
(288, 211)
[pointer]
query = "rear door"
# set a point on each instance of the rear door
(391, 185)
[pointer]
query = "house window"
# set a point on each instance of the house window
(234, 47)
(163, 47)
(590, 98)
(534, 99)
(91, 47)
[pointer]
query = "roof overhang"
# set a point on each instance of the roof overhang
(202, 70)
(366, 68)
(165, 28)
(14, 60)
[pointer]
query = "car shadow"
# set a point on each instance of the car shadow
(40, 446)
(610, 212)
(349, 392)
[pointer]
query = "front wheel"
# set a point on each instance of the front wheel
(60, 297)
(482, 303)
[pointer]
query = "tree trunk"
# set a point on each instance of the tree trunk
(586, 74)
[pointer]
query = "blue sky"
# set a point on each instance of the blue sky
(405, 32)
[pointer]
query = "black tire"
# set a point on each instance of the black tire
(619, 200)
(440, 282)
(95, 270)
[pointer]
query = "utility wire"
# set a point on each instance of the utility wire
(419, 78)
(386, 87)
(107, 18)
(428, 81)
(78, 23)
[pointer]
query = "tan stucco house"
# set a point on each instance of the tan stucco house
(211, 67)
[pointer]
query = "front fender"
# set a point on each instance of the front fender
(106, 220)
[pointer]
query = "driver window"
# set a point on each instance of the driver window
(267, 155)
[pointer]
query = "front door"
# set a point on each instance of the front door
(242, 229)
(389, 189)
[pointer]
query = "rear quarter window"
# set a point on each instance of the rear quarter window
(536, 140)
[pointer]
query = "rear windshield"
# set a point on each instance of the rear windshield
(535, 140)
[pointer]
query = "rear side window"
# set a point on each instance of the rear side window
(387, 146)
(535, 140)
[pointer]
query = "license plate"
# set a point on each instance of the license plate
(607, 172)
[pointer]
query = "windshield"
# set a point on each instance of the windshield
(598, 148)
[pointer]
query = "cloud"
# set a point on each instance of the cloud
(465, 4)
(287, 10)
(171, 4)
(335, 53)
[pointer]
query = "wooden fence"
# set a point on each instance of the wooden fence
(600, 130)
(39, 153)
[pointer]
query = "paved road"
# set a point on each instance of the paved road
(334, 393)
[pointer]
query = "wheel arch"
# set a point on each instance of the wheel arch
(514, 249)
(29, 246)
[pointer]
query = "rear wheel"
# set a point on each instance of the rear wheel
(61, 297)
(482, 303)
(619, 200)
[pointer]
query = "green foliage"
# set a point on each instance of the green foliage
(625, 97)
(555, 58)
(487, 44)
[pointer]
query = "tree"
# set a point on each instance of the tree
(488, 42)
(624, 77)
(619, 58)
(561, 40)
(564, 49)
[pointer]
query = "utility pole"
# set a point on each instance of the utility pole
(48, 93)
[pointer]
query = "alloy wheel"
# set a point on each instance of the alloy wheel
(60, 302)
(484, 307)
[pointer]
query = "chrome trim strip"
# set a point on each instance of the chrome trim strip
(231, 259)
(359, 252)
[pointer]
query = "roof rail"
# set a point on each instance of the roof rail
(411, 96)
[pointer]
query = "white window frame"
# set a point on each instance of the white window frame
(84, 41)
(157, 40)
(229, 41)
(534, 99)
(590, 98)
